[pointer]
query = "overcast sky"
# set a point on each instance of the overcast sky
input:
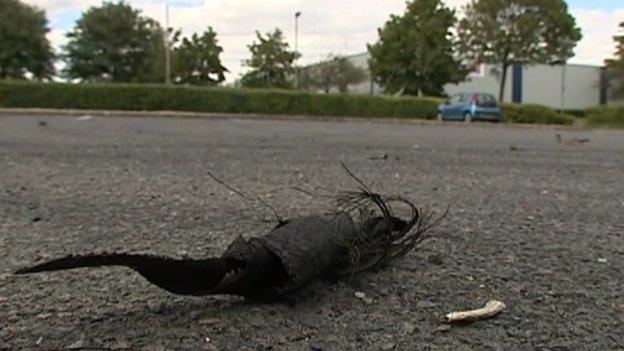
(326, 26)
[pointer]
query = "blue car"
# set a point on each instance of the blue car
(470, 107)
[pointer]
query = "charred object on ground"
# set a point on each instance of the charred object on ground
(363, 233)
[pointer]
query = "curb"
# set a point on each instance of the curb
(51, 112)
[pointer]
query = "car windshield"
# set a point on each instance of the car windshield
(457, 98)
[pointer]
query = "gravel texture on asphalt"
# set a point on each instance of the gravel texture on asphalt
(534, 223)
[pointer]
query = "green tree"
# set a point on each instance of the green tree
(196, 61)
(308, 79)
(414, 53)
(114, 43)
(615, 66)
(333, 72)
(271, 62)
(348, 74)
(504, 32)
(24, 48)
(156, 68)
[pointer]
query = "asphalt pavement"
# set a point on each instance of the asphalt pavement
(534, 221)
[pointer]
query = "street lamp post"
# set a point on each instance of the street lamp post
(297, 15)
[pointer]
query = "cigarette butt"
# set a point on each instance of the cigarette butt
(491, 309)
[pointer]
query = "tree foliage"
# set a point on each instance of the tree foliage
(504, 32)
(271, 62)
(414, 53)
(196, 60)
(615, 66)
(115, 43)
(333, 72)
(348, 74)
(24, 49)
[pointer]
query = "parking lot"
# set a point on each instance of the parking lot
(535, 222)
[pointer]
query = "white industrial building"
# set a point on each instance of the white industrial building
(568, 86)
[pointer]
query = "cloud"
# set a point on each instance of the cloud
(598, 28)
(54, 7)
(57, 38)
(326, 26)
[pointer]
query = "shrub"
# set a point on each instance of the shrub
(612, 117)
(135, 97)
(145, 97)
(574, 113)
(529, 113)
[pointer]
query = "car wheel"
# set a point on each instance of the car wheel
(440, 117)
(467, 117)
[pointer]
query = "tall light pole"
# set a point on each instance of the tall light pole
(167, 47)
(297, 15)
(346, 35)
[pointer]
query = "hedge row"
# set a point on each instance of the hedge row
(612, 117)
(574, 113)
(528, 113)
(202, 99)
(135, 97)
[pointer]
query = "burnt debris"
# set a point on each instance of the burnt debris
(362, 234)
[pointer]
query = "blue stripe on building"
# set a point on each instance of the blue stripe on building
(516, 83)
(603, 86)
